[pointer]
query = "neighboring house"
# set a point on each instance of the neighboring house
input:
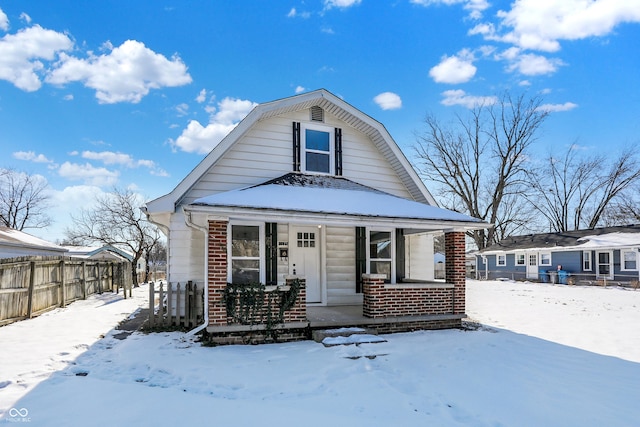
(310, 187)
(610, 253)
(14, 243)
(102, 253)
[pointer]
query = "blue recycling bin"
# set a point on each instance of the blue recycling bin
(563, 275)
(543, 275)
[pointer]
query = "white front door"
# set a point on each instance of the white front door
(532, 265)
(605, 265)
(304, 259)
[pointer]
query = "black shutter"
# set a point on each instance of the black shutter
(361, 256)
(338, 151)
(296, 146)
(271, 253)
(400, 254)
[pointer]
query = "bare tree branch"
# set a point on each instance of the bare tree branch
(479, 167)
(23, 201)
(116, 220)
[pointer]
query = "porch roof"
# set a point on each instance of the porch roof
(329, 195)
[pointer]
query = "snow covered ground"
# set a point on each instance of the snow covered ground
(546, 356)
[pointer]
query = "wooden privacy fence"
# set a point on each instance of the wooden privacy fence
(176, 305)
(32, 285)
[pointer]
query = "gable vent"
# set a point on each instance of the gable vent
(317, 114)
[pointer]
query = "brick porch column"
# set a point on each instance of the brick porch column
(373, 298)
(217, 271)
(455, 271)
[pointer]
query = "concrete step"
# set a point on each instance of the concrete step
(346, 336)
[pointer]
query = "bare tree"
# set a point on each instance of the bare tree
(116, 219)
(480, 165)
(574, 192)
(23, 201)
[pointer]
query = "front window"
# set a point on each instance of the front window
(586, 261)
(545, 259)
(381, 253)
(501, 260)
(317, 150)
(519, 259)
(629, 260)
(245, 254)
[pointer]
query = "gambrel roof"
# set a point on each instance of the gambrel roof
(332, 105)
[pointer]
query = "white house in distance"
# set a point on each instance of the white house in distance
(14, 243)
(310, 187)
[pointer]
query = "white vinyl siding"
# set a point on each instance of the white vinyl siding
(186, 252)
(340, 266)
(265, 152)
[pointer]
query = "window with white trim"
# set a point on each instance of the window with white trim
(317, 149)
(520, 259)
(245, 250)
(586, 260)
(545, 258)
(629, 260)
(381, 252)
(501, 260)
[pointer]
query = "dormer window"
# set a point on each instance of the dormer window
(317, 148)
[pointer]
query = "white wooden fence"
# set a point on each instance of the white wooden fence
(175, 305)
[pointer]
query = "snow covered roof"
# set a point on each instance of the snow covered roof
(98, 252)
(20, 239)
(606, 237)
(319, 194)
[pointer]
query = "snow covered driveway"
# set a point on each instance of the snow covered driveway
(527, 369)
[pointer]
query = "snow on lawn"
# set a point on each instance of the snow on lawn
(527, 369)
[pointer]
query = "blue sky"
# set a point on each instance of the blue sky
(132, 94)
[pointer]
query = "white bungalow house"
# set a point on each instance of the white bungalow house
(309, 187)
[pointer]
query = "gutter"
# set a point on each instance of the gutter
(191, 224)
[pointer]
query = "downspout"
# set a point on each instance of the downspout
(190, 223)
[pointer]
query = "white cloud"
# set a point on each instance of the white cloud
(202, 96)
(109, 158)
(91, 175)
(293, 13)
(182, 109)
(554, 108)
(530, 64)
(4, 21)
(460, 97)
(26, 18)
(300, 89)
(202, 139)
(341, 4)
(541, 25)
(454, 69)
(126, 74)
(475, 7)
(388, 101)
(68, 97)
(31, 157)
(21, 54)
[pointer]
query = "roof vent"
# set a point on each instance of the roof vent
(317, 114)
